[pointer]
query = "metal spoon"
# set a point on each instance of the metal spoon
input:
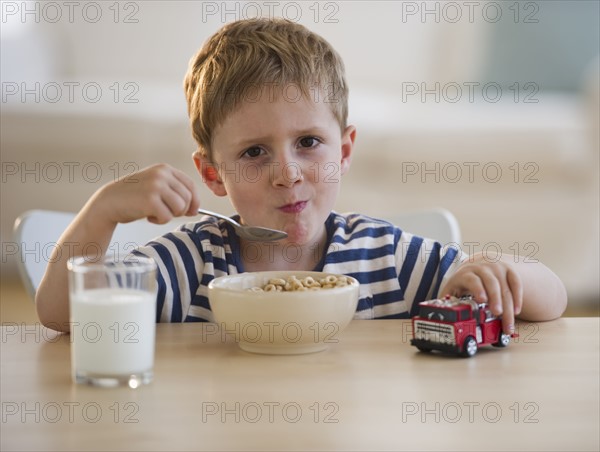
(249, 232)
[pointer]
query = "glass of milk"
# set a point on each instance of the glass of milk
(113, 320)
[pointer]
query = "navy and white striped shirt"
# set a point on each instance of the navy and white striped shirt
(396, 270)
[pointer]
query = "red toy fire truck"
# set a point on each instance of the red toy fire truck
(456, 325)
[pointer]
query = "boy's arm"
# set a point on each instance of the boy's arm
(158, 193)
(512, 286)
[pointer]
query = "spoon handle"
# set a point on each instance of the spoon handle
(218, 215)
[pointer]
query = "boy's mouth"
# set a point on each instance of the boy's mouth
(295, 207)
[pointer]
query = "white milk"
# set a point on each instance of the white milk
(113, 331)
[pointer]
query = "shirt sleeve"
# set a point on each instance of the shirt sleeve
(179, 263)
(423, 266)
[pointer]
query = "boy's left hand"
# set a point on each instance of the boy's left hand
(496, 283)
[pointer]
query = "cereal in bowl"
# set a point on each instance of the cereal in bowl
(294, 284)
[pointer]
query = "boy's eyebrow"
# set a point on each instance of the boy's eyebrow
(316, 130)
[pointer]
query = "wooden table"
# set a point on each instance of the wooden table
(369, 391)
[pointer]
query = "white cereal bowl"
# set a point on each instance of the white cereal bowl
(281, 322)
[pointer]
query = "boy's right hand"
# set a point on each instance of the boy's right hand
(158, 193)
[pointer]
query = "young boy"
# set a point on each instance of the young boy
(267, 101)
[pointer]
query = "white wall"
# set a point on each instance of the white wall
(387, 50)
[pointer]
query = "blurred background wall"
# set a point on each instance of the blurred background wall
(489, 109)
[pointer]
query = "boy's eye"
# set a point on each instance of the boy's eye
(308, 142)
(253, 152)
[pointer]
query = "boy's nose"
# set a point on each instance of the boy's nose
(287, 174)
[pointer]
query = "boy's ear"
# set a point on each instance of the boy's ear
(209, 174)
(347, 145)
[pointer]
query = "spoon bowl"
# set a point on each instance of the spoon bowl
(255, 233)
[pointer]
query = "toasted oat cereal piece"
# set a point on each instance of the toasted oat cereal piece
(270, 288)
(277, 281)
(256, 289)
(308, 281)
(297, 284)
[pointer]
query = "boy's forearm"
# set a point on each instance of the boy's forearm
(544, 294)
(52, 295)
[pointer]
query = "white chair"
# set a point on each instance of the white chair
(37, 231)
(439, 224)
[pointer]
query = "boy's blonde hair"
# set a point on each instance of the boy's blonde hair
(253, 54)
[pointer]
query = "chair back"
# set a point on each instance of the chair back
(438, 224)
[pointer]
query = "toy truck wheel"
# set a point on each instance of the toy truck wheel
(503, 340)
(469, 347)
(424, 349)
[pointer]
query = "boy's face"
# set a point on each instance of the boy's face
(280, 160)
